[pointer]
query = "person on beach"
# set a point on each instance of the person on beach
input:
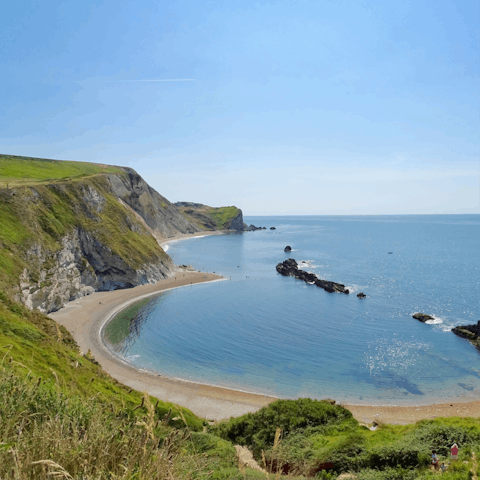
(434, 459)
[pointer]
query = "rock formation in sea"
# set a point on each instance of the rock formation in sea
(290, 268)
(287, 249)
(423, 317)
(469, 332)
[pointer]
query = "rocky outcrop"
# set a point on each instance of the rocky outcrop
(205, 221)
(100, 230)
(361, 295)
(93, 234)
(423, 317)
(83, 265)
(470, 333)
(212, 218)
(159, 214)
(287, 249)
(290, 268)
(235, 223)
(252, 228)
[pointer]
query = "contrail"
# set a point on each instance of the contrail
(163, 80)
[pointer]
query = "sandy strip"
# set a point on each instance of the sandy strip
(85, 317)
(164, 242)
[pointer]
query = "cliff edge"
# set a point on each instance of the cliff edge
(71, 228)
(212, 218)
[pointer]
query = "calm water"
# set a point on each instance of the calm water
(261, 332)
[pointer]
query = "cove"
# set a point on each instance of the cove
(264, 333)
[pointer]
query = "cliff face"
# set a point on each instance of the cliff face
(158, 213)
(236, 223)
(83, 265)
(60, 241)
(211, 218)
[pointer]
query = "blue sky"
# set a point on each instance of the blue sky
(282, 107)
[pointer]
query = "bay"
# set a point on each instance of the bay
(261, 332)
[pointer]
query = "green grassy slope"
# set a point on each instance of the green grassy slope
(57, 405)
(34, 344)
(15, 170)
(210, 218)
(44, 213)
(62, 416)
(222, 215)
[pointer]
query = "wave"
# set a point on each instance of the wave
(306, 264)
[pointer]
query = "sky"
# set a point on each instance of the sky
(282, 107)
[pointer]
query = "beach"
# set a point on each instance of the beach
(86, 317)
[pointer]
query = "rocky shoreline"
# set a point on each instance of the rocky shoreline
(289, 268)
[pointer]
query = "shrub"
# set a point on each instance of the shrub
(387, 474)
(257, 430)
(441, 437)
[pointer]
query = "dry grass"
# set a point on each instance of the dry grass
(44, 435)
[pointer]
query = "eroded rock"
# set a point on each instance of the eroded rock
(290, 268)
(470, 333)
(423, 317)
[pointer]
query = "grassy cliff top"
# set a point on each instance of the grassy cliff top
(208, 218)
(16, 170)
(44, 214)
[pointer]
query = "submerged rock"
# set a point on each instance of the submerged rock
(272, 228)
(361, 295)
(288, 248)
(289, 268)
(423, 317)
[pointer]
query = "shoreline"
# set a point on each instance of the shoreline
(86, 317)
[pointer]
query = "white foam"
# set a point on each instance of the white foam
(435, 321)
(166, 246)
(129, 358)
(356, 288)
(306, 263)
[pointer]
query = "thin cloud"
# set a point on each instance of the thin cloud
(160, 80)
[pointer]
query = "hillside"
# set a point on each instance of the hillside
(62, 416)
(212, 218)
(71, 228)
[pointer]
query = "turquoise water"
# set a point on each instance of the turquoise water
(261, 332)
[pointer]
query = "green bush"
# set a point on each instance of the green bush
(402, 454)
(257, 430)
(441, 437)
(387, 474)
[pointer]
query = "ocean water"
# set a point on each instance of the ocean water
(260, 332)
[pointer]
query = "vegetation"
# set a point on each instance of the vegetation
(316, 439)
(15, 170)
(60, 413)
(222, 215)
(62, 416)
(41, 216)
(209, 218)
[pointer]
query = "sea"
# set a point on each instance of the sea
(260, 332)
